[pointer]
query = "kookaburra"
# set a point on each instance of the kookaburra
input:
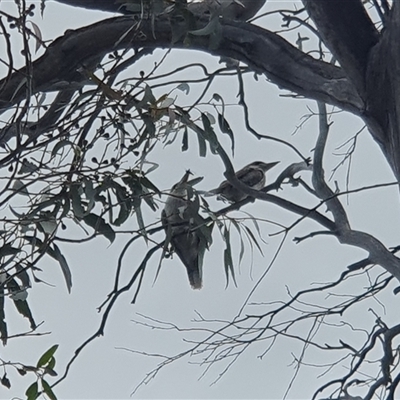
(252, 175)
(185, 228)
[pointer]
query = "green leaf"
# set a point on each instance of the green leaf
(18, 215)
(8, 250)
(184, 87)
(139, 217)
(148, 97)
(23, 308)
(150, 127)
(66, 206)
(124, 203)
(225, 128)
(218, 97)
(77, 207)
(22, 275)
(110, 209)
(27, 167)
(51, 365)
(59, 145)
(53, 201)
(210, 117)
(100, 226)
(3, 325)
(46, 356)
(50, 371)
(241, 254)
(5, 381)
(228, 262)
(202, 145)
(57, 255)
(150, 185)
(90, 193)
(123, 215)
(185, 140)
(47, 389)
(209, 133)
(32, 393)
(252, 237)
(20, 187)
(148, 198)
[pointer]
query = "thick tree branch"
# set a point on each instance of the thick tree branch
(383, 91)
(348, 32)
(262, 50)
(102, 5)
(378, 253)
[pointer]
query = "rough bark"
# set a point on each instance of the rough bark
(262, 50)
(383, 90)
(348, 32)
(102, 5)
(370, 60)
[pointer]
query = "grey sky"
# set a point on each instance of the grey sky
(104, 372)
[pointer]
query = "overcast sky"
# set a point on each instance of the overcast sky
(106, 369)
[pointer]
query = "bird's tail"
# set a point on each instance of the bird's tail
(195, 279)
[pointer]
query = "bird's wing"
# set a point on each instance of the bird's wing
(181, 209)
(252, 177)
(187, 246)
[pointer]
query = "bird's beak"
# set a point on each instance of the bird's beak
(268, 166)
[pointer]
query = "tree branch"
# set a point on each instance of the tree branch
(264, 51)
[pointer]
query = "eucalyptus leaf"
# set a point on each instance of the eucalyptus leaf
(100, 226)
(59, 145)
(5, 381)
(56, 254)
(253, 239)
(46, 356)
(32, 393)
(228, 262)
(27, 167)
(20, 187)
(23, 308)
(3, 325)
(8, 250)
(225, 128)
(64, 266)
(184, 87)
(185, 140)
(47, 389)
(202, 145)
(76, 200)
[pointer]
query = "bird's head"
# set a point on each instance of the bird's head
(263, 166)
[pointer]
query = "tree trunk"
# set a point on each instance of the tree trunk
(371, 61)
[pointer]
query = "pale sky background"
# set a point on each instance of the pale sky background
(103, 370)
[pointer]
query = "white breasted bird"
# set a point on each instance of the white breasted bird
(185, 229)
(252, 175)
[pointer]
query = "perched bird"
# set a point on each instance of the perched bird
(186, 229)
(252, 175)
